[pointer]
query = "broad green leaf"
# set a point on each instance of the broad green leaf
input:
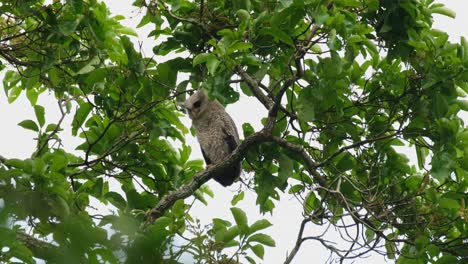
(202, 58)
(116, 199)
(17, 163)
(80, 116)
(32, 95)
(29, 124)
(286, 167)
(39, 111)
(241, 219)
(226, 235)
(305, 105)
(259, 225)
(278, 35)
(263, 239)
(449, 203)
(51, 127)
(310, 203)
(296, 189)
(345, 162)
(212, 64)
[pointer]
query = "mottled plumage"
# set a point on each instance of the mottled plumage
(216, 133)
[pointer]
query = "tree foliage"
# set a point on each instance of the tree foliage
(349, 86)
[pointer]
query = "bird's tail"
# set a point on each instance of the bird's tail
(228, 177)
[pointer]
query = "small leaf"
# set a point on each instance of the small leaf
(14, 93)
(201, 58)
(51, 127)
(259, 250)
(262, 238)
(39, 111)
(296, 188)
(251, 260)
(238, 197)
(29, 124)
(310, 203)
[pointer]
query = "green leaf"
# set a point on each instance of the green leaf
(296, 189)
(262, 238)
(443, 11)
(14, 93)
(80, 116)
(421, 153)
(285, 170)
(305, 107)
(259, 250)
(17, 163)
(202, 58)
(39, 111)
(32, 95)
(226, 235)
(251, 260)
(212, 64)
(241, 219)
(440, 107)
(345, 162)
(278, 35)
(248, 129)
(29, 124)
(259, 225)
(51, 127)
(116, 199)
(238, 197)
(59, 161)
(449, 204)
(310, 203)
(211, 61)
(442, 165)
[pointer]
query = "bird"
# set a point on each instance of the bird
(216, 133)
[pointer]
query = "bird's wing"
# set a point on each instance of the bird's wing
(207, 160)
(230, 141)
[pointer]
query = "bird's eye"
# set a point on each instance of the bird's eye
(197, 104)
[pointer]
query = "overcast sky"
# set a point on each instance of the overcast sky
(16, 142)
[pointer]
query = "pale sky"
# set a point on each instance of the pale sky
(16, 142)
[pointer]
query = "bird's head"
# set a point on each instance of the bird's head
(196, 104)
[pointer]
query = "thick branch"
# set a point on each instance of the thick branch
(202, 177)
(310, 164)
(255, 88)
(299, 240)
(40, 249)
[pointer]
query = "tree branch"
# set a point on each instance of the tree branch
(202, 177)
(254, 87)
(40, 249)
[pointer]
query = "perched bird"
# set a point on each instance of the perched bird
(216, 133)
